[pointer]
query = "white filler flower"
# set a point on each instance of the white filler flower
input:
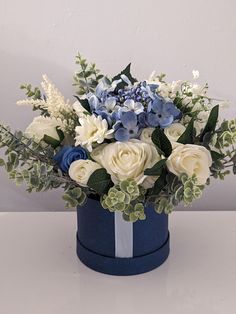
(92, 129)
(80, 170)
(190, 159)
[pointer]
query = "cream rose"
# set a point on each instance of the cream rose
(92, 129)
(124, 160)
(146, 135)
(41, 126)
(174, 131)
(190, 159)
(80, 170)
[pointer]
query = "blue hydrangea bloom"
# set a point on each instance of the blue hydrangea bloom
(161, 113)
(127, 128)
(67, 155)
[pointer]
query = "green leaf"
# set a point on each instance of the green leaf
(60, 134)
(51, 141)
(211, 122)
(162, 142)
(84, 103)
(159, 184)
(2, 162)
(156, 169)
(100, 181)
(215, 155)
(187, 136)
(234, 169)
(126, 72)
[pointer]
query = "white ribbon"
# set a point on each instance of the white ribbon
(123, 236)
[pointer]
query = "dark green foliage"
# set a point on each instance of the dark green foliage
(188, 135)
(84, 103)
(100, 181)
(161, 141)
(211, 123)
(127, 73)
(156, 170)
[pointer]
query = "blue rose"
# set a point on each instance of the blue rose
(67, 155)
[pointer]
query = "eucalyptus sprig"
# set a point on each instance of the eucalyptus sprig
(32, 163)
(87, 77)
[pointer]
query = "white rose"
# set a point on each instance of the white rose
(92, 129)
(146, 135)
(80, 170)
(190, 159)
(124, 160)
(41, 126)
(174, 131)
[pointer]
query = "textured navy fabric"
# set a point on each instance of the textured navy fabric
(96, 228)
(96, 241)
(150, 234)
(123, 266)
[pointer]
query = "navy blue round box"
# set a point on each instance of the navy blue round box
(96, 241)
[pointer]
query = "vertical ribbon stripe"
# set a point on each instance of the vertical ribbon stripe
(123, 236)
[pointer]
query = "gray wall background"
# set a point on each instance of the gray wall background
(173, 37)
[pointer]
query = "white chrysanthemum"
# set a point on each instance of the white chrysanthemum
(92, 129)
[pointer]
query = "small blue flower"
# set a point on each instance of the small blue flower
(131, 105)
(127, 128)
(143, 120)
(108, 110)
(67, 155)
(162, 113)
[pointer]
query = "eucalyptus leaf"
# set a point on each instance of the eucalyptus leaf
(2, 162)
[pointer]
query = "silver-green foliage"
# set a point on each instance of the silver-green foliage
(32, 163)
(224, 140)
(126, 197)
(88, 76)
(183, 189)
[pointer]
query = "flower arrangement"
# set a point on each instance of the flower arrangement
(124, 142)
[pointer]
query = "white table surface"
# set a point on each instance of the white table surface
(40, 272)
